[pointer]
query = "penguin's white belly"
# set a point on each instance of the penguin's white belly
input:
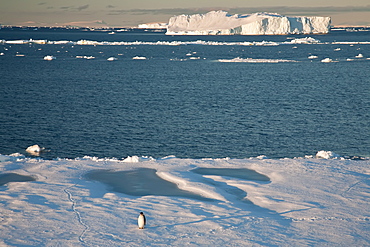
(141, 222)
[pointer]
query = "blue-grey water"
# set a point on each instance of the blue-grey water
(169, 104)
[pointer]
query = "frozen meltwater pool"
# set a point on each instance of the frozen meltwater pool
(14, 177)
(140, 182)
(145, 181)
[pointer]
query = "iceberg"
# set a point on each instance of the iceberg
(222, 23)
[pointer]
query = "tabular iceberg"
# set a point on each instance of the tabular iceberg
(222, 23)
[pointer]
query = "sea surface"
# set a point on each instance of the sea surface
(189, 97)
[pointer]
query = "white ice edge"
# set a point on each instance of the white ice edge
(298, 41)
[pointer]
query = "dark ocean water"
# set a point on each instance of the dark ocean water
(169, 104)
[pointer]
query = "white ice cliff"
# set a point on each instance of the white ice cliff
(222, 23)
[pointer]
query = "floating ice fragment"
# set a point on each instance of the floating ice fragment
(360, 56)
(253, 60)
(139, 58)
(337, 49)
(327, 60)
(306, 40)
(312, 57)
(85, 57)
(327, 155)
(112, 59)
(34, 150)
(49, 57)
(262, 157)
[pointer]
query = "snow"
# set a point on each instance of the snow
(221, 202)
(222, 23)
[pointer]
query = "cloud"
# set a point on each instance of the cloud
(80, 8)
(274, 9)
(83, 7)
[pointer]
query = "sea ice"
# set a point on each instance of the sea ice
(194, 202)
(112, 59)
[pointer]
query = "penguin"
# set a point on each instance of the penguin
(141, 221)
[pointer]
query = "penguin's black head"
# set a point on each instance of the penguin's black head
(141, 213)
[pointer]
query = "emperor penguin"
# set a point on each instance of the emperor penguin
(141, 221)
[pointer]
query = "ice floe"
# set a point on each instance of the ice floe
(49, 58)
(327, 60)
(112, 59)
(139, 58)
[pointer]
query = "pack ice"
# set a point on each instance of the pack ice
(222, 23)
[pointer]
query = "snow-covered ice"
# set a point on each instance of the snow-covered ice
(222, 23)
(187, 202)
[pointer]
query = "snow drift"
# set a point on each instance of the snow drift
(222, 23)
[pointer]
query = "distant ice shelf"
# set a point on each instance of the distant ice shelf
(222, 23)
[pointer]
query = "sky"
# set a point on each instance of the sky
(129, 13)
